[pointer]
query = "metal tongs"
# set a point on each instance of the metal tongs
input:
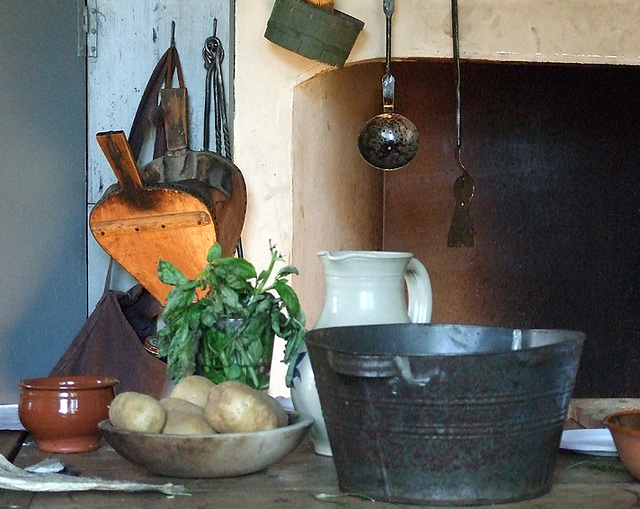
(213, 55)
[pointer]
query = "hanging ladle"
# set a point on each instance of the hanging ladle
(388, 141)
(461, 231)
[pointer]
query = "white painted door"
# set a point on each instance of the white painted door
(131, 37)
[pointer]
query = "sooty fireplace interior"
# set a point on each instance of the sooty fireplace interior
(554, 153)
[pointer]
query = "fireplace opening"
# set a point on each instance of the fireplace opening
(554, 153)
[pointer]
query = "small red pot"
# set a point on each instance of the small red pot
(625, 430)
(62, 413)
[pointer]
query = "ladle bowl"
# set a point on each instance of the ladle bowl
(388, 141)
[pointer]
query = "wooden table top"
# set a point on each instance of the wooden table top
(298, 481)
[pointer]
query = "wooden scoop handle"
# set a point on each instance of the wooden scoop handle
(176, 118)
(118, 152)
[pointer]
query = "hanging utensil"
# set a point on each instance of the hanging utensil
(213, 55)
(461, 231)
(388, 141)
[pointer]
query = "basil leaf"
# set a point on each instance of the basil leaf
(234, 372)
(229, 298)
(214, 253)
(169, 274)
(285, 271)
(288, 296)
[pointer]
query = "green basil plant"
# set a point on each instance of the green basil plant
(222, 324)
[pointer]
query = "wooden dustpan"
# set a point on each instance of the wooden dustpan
(138, 225)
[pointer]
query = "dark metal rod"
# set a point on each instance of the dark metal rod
(456, 60)
(388, 6)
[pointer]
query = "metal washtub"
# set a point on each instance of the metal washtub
(444, 414)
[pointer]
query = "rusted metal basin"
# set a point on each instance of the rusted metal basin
(444, 414)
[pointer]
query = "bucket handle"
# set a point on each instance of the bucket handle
(377, 366)
(367, 366)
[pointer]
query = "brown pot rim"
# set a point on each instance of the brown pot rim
(77, 382)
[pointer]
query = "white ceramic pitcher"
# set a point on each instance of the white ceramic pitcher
(362, 288)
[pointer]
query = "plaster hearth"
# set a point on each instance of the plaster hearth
(269, 81)
(296, 123)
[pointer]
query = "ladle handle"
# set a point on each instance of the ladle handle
(388, 81)
(388, 6)
(388, 93)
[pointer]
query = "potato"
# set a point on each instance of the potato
(185, 423)
(194, 388)
(281, 413)
(182, 406)
(134, 411)
(234, 407)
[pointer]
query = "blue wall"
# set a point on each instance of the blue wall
(43, 296)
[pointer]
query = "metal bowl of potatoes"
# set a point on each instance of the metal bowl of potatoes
(214, 455)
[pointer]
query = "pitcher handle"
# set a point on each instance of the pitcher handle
(419, 290)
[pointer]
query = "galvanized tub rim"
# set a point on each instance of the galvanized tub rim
(570, 336)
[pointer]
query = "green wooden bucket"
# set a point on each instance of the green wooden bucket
(313, 32)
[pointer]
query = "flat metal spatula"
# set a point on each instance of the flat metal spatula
(461, 231)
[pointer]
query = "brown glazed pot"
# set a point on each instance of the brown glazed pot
(625, 430)
(62, 413)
